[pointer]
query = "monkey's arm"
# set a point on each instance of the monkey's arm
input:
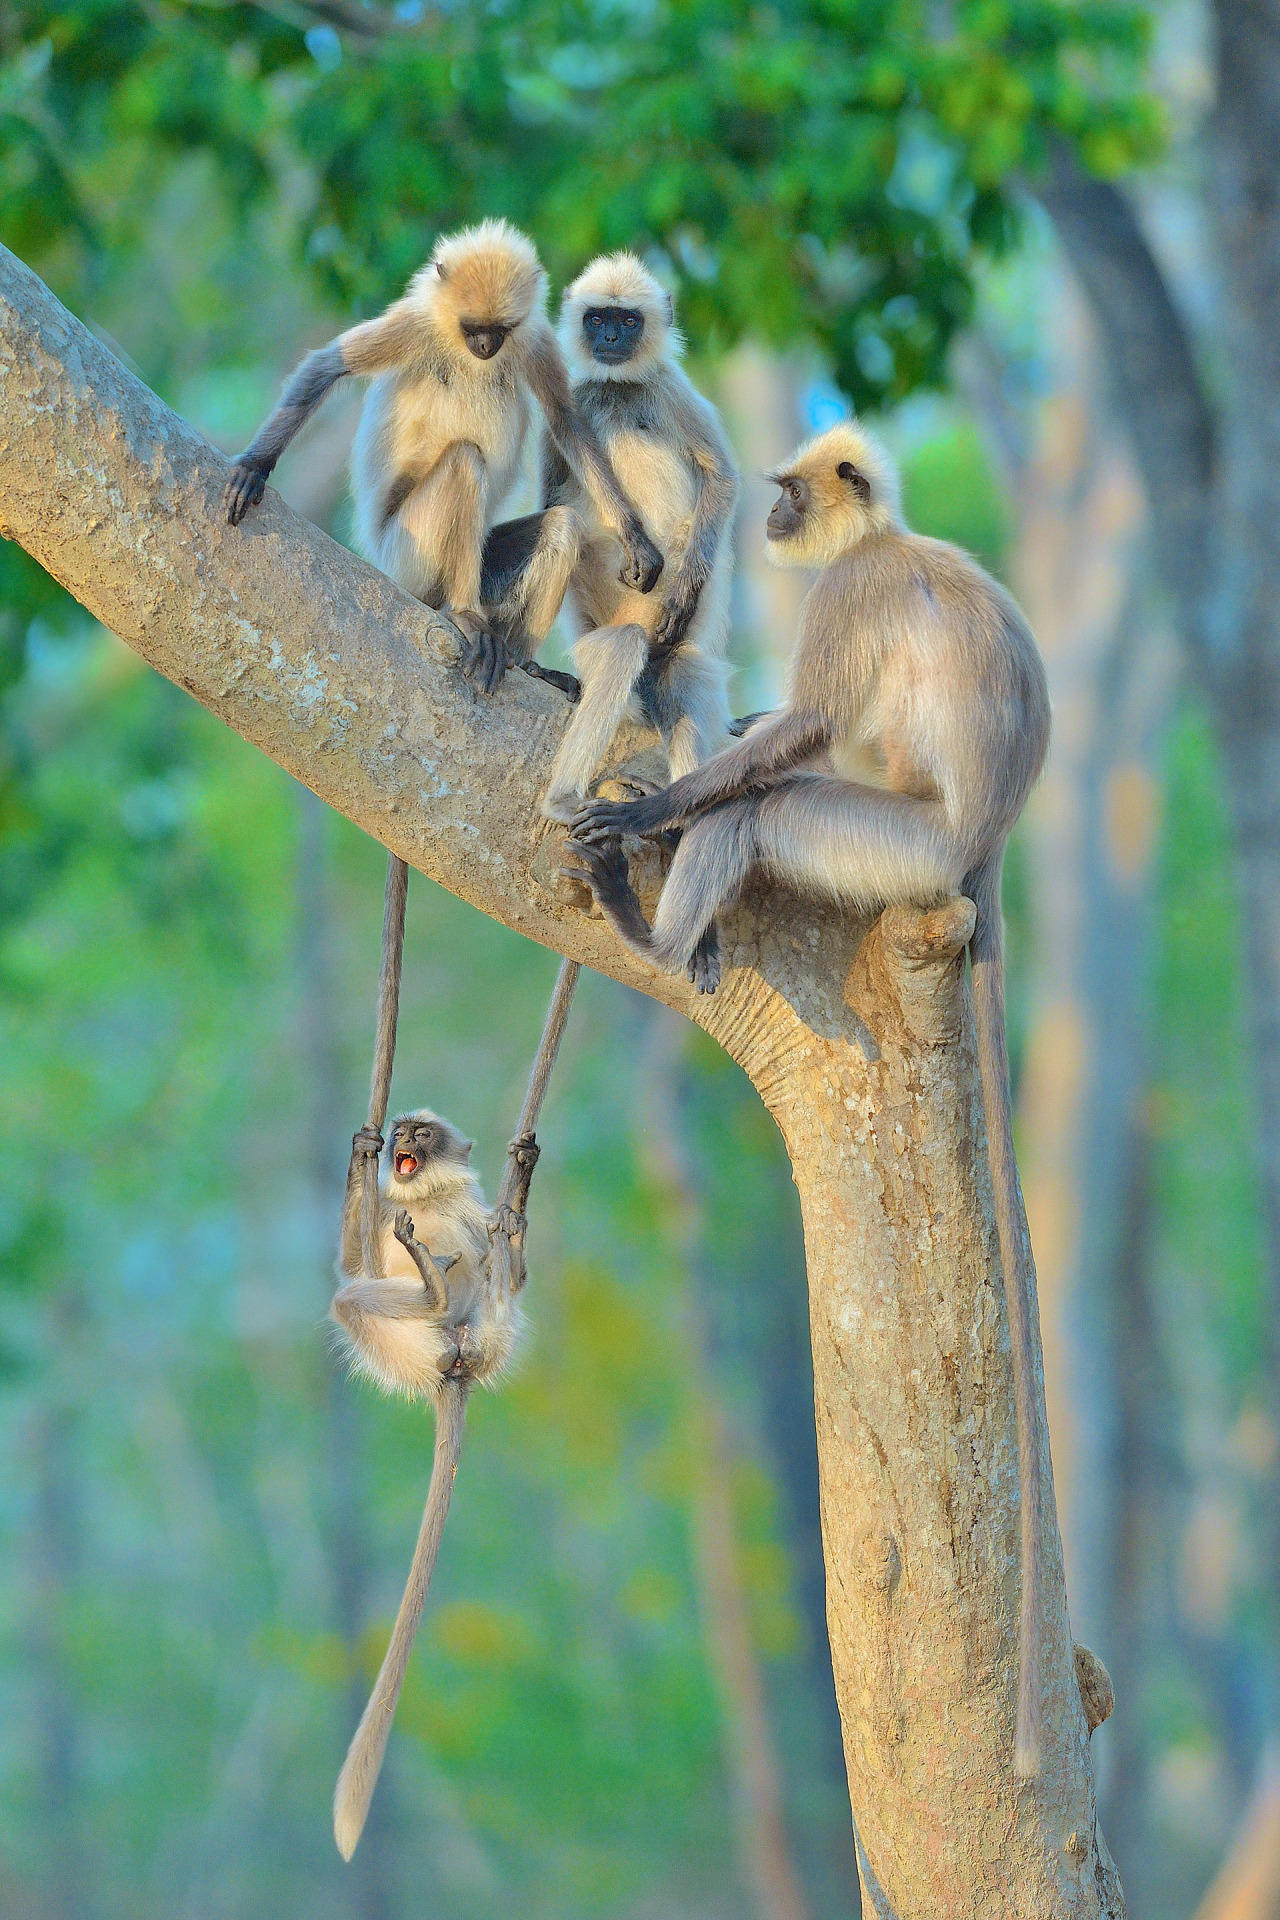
(580, 447)
(717, 496)
(554, 473)
(367, 1144)
(374, 346)
(773, 749)
(433, 1271)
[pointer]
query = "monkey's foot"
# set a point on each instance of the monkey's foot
(568, 683)
(484, 657)
(704, 962)
(635, 787)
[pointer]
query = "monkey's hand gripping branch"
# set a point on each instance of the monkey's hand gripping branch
(509, 1223)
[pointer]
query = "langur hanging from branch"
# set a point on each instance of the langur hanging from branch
(429, 1307)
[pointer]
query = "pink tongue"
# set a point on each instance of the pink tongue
(405, 1163)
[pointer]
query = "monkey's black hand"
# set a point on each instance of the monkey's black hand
(402, 1226)
(507, 1221)
(367, 1144)
(525, 1151)
(602, 868)
(677, 614)
(484, 657)
(244, 489)
(643, 563)
(603, 820)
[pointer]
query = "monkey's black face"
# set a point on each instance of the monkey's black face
(484, 339)
(613, 333)
(790, 509)
(414, 1143)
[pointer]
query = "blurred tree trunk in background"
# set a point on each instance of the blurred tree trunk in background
(56, 1562)
(1205, 430)
(1088, 844)
(765, 1860)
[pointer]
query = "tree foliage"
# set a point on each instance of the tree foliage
(823, 170)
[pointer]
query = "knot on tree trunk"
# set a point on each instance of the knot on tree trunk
(913, 960)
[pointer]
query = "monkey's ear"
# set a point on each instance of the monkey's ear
(858, 481)
(466, 1148)
(440, 270)
(670, 305)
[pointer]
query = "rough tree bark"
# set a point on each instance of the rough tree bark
(858, 1038)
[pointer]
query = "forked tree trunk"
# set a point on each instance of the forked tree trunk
(859, 1040)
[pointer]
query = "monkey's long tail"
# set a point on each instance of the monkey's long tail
(986, 952)
(363, 1763)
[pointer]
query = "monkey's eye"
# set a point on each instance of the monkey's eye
(631, 320)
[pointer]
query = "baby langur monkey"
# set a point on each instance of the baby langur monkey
(917, 681)
(659, 655)
(455, 363)
(432, 1326)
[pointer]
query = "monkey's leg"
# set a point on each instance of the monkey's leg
(715, 855)
(860, 845)
(527, 567)
(610, 661)
(381, 1300)
(690, 709)
(431, 543)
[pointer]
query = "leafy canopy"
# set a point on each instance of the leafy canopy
(821, 170)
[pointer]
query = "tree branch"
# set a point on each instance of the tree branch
(1156, 382)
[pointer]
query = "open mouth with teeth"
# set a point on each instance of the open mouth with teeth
(406, 1164)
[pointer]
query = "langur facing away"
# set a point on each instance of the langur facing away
(432, 1324)
(455, 364)
(916, 678)
(657, 655)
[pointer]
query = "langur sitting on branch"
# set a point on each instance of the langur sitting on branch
(916, 680)
(454, 364)
(435, 1321)
(659, 655)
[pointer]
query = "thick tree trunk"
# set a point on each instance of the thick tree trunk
(859, 1041)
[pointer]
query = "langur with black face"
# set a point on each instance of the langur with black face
(431, 1325)
(455, 364)
(917, 681)
(657, 655)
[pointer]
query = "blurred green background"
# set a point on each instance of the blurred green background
(204, 1525)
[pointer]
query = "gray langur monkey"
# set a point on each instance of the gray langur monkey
(659, 655)
(917, 682)
(432, 1325)
(454, 364)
